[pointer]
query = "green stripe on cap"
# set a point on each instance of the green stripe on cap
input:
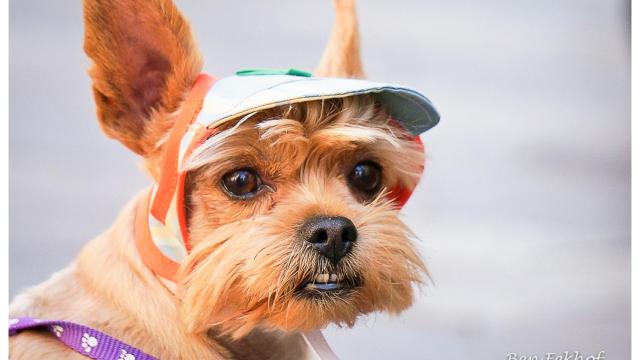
(292, 71)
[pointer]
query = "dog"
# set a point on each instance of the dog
(287, 214)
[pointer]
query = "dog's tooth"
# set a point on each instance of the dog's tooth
(322, 278)
(333, 278)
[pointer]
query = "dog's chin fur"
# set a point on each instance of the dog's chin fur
(248, 267)
(249, 274)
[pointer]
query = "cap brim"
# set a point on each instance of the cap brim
(237, 96)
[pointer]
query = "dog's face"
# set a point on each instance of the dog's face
(291, 223)
(288, 210)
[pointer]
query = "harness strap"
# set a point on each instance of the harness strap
(100, 346)
(84, 340)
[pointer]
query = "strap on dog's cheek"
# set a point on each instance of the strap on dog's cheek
(402, 194)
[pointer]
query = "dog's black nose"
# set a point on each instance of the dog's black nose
(332, 236)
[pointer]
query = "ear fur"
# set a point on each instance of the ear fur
(341, 57)
(144, 61)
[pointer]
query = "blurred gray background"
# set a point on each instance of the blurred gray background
(524, 211)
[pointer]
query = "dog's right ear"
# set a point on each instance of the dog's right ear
(144, 62)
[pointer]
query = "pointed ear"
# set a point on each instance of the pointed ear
(341, 56)
(144, 61)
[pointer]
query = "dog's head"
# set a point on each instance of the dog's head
(289, 210)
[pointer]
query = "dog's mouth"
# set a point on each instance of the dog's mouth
(329, 283)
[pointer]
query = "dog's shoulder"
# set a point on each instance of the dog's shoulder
(37, 302)
(39, 345)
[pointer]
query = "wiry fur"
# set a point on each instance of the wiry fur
(109, 288)
(236, 295)
(247, 262)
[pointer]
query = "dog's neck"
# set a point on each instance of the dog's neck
(110, 268)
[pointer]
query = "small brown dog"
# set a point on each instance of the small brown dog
(288, 214)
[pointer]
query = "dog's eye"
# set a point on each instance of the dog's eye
(366, 177)
(242, 183)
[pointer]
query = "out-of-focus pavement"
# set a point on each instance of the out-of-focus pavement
(524, 212)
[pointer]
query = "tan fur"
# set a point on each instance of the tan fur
(341, 57)
(109, 288)
(236, 294)
(247, 253)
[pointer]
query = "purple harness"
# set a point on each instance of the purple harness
(85, 340)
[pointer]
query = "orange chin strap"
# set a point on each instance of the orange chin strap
(160, 226)
(170, 188)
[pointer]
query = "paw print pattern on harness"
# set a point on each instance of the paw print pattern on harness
(58, 330)
(124, 355)
(88, 342)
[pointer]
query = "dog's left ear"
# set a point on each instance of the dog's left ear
(341, 57)
(144, 62)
